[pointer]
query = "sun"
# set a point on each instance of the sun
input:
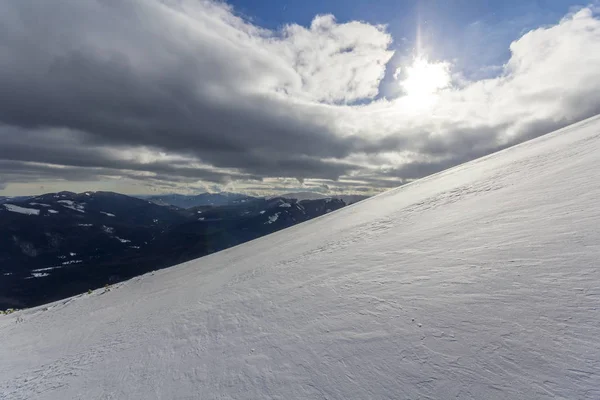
(423, 79)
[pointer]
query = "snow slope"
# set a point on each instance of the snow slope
(480, 282)
(21, 210)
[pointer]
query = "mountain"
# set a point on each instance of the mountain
(203, 199)
(479, 282)
(346, 198)
(351, 198)
(60, 244)
(215, 229)
(6, 199)
(303, 196)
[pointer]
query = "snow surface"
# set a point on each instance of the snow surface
(272, 218)
(480, 282)
(46, 269)
(21, 210)
(72, 262)
(72, 205)
(39, 274)
(39, 204)
(52, 211)
(107, 214)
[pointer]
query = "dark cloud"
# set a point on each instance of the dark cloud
(97, 88)
(182, 94)
(19, 171)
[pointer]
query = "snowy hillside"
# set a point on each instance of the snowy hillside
(480, 282)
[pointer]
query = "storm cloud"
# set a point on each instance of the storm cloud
(186, 91)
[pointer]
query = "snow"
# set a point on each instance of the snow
(7, 274)
(40, 204)
(479, 282)
(262, 212)
(72, 205)
(52, 211)
(122, 240)
(39, 274)
(21, 210)
(108, 229)
(107, 213)
(272, 218)
(46, 269)
(285, 205)
(201, 219)
(72, 254)
(70, 262)
(85, 225)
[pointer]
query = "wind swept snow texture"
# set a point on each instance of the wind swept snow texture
(479, 282)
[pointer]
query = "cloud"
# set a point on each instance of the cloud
(186, 92)
(336, 62)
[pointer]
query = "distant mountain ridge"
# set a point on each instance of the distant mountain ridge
(6, 199)
(202, 199)
(226, 198)
(59, 244)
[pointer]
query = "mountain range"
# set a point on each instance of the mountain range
(202, 199)
(60, 244)
(225, 198)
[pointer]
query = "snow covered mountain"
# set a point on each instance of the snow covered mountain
(5, 199)
(202, 199)
(479, 282)
(61, 244)
(347, 198)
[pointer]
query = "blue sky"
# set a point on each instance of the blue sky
(474, 34)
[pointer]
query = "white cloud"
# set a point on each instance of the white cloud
(336, 62)
(552, 78)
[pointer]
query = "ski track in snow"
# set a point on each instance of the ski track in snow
(479, 282)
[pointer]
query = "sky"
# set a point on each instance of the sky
(265, 96)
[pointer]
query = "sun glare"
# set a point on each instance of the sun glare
(423, 79)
